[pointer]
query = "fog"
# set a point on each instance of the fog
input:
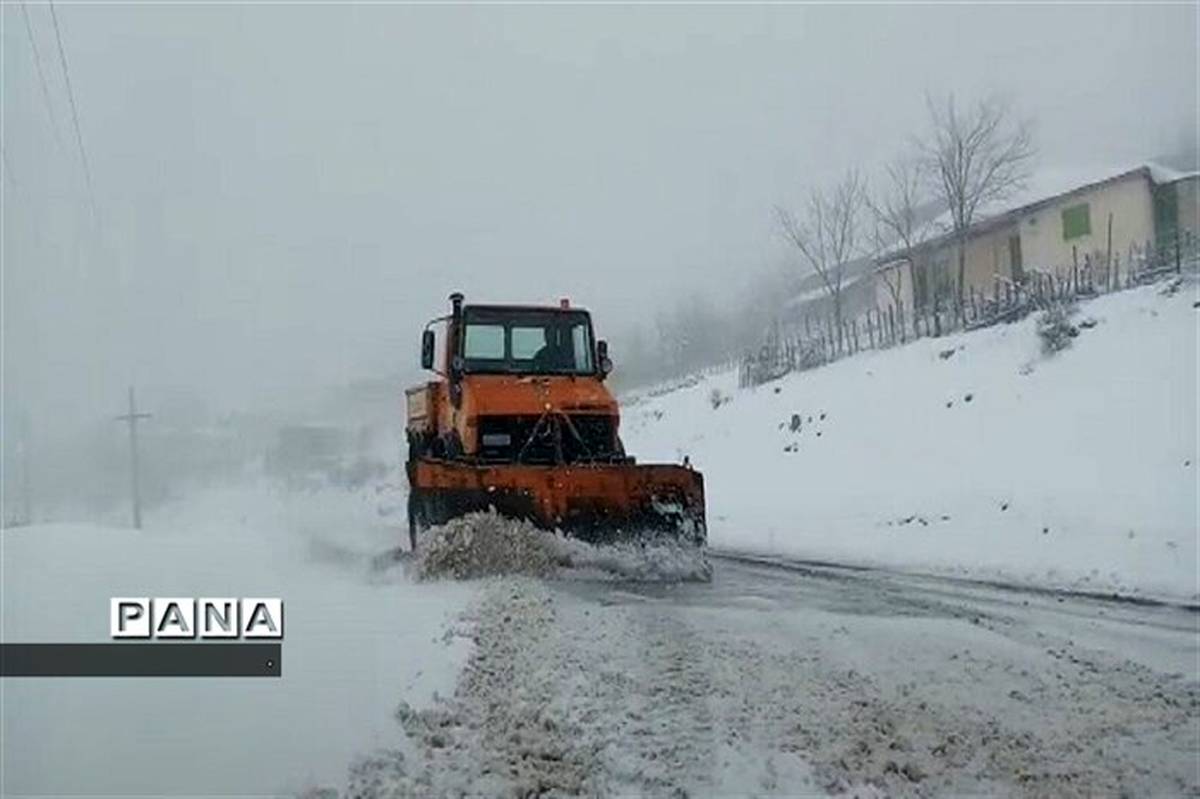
(284, 194)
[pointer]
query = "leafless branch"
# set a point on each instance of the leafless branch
(974, 158)
(898, 227)
(828, 236)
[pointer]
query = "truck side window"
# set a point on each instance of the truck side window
(581, 343)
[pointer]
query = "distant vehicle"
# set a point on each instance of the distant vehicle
(519, 420)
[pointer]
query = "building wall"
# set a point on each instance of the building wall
(1045, 248)
(1189, 209)
(883, 294)
(992, 257)
(908, 277)
(989, 255)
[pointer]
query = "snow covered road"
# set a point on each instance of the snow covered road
(782, 680)
(801, 681)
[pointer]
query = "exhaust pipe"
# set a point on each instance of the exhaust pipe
(455, 361)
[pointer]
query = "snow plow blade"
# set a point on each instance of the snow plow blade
(597, 503)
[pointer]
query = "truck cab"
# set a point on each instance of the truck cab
(517, 384)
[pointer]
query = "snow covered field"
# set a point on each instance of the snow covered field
(356, 644)
(971, 454)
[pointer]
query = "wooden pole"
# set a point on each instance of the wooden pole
(135, 496)
(1108, 257)
(24, 451)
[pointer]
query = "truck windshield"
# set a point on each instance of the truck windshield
(522, 341)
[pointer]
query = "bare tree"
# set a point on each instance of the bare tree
(900, 227)
(973, 158)
(828, 236)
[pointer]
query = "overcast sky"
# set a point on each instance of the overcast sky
(286, 193)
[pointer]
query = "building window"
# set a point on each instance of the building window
(1016, 265)
(1076, 222)
(943, 286)
(920, 284)
(1166, 213)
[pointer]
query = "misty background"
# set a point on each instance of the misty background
(281, 196)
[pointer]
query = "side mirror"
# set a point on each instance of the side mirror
(602, 359)
(427, 349)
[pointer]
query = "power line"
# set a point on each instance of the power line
(37, 60)
(62, 57)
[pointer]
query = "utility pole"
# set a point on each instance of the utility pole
(131, 419)
(24, 450)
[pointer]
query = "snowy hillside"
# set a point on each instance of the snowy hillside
(970, 454)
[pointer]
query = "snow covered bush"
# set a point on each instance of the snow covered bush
(1055, 329)
(809, 356)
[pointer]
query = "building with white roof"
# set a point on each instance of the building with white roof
(1061, 219)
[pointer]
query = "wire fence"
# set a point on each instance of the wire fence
(1007, 300)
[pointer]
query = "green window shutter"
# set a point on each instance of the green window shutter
(1076, 222)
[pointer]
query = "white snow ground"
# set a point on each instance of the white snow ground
(355, 645)
(1077, 470)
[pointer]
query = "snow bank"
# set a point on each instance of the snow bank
(483, 545)
(356, 643)
(971, 454)
(487, 545)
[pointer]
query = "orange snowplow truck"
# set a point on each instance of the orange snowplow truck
(519, 420)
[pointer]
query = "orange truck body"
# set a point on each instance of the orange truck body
(540, 444)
